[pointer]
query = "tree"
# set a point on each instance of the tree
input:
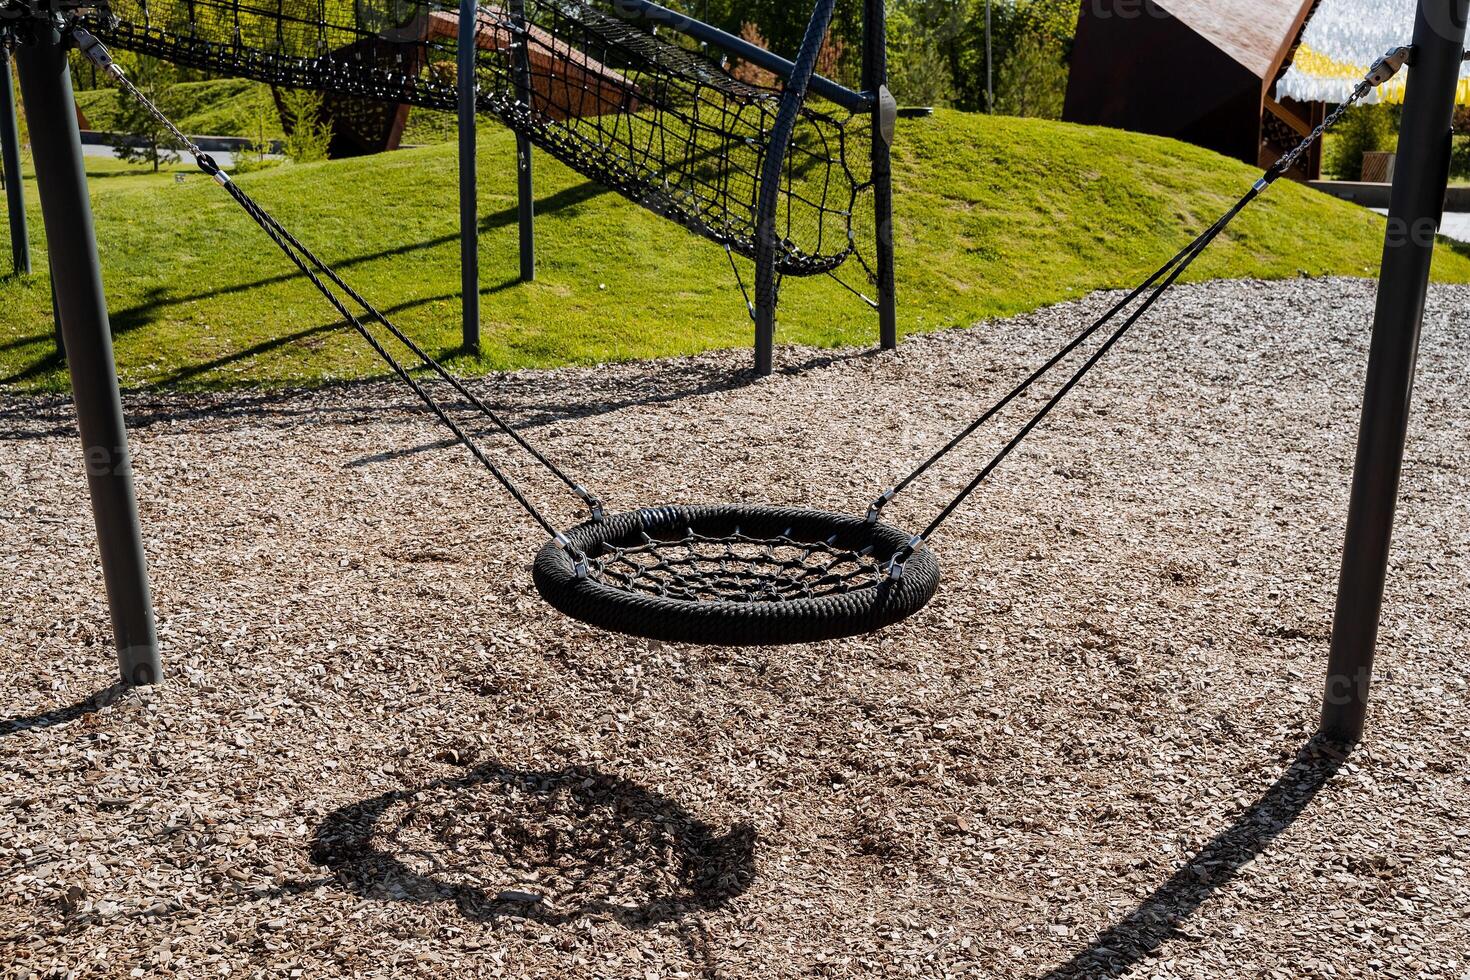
(1032, 80)
(922, 35)
(1011, 23)
(308, 130)
(141, 138)
(1364, 129)
(260, 124)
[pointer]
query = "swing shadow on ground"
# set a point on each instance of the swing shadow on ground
(590, 843)
(660, 383)
(1139, 936)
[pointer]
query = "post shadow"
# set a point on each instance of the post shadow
(109, 695)
(1120, 948)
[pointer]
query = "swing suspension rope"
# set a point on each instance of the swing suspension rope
(316, 271)
(1155, 286)
(737, 574)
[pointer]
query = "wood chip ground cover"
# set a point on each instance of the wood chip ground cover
(379, 754)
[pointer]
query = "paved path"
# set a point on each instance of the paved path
(224, 158)
(1456, 224)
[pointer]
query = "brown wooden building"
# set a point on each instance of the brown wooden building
(1201, 71)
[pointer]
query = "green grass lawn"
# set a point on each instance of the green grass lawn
(995, 216)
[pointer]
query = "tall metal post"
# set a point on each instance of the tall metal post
(469, 207)
(45, 81)
(767, 276)
(1415, 211)
(989, 64)
(875, 80)
(525, 191)
(15, 200)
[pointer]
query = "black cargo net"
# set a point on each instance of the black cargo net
(737, 567)
(660, 124)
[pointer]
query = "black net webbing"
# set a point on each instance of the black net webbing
(660, 124)
(737, 574)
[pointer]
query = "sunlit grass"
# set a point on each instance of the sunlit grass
(995, 216)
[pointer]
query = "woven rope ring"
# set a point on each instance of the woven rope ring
(736, 575)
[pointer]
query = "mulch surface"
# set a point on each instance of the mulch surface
(378, 753)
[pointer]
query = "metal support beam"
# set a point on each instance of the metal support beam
(525, 189)
(767, 278)
(875, 79)
(56, 318)
(782, 68)
(989, 63)
(45, 82)
(15, 200)
(1416, 207)
(469, 207)
(526, 202)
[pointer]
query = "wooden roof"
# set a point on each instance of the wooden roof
(1256, 33)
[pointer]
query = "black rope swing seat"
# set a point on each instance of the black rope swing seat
(736, 575)
(733, 574)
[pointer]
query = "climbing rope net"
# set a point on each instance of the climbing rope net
(657, 122)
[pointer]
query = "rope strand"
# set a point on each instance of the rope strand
(1159, 283)
(315, 269)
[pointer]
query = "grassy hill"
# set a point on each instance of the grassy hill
(995, 216)
(216, 107)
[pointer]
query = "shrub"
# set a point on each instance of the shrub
(1363, 129)
(745, 71)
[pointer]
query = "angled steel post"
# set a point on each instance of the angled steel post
(15, 199)
(767, 277)
(469, 206)
(525, 191)
(875, 81)
(1416, 208)
(66, 210)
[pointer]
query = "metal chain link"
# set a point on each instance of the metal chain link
(94, 51)
(1383, 70)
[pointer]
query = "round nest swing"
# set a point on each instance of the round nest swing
(736, 575)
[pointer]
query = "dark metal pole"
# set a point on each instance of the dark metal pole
(525, 191)
(56, 317)
(767, 276)
(742, 49)
(46, 87)
(526, 200)
(1415, 210)
(15, 199)
(469, 208)
(875, 80)
(989, 64)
